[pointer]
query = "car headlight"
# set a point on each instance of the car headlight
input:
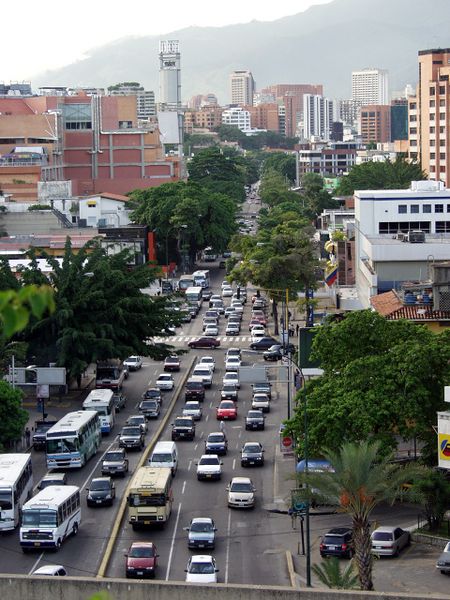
(440, 563)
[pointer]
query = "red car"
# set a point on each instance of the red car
(141, 560)
(227, 409)
(204, 342)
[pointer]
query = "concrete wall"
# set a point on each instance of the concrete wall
(27, 223)
(71, 588)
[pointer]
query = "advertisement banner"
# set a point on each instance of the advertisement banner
(444, 439)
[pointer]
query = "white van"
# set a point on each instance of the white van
(165, 454)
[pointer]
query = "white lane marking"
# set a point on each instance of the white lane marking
(169, 562)
(96, 465)
(36, 564)
(207, 417)
(189, 465)
(240, 434)
(196, 446)
(184, 487)
(227, 558)
(234, 464)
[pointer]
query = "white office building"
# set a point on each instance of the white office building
(370, 86)
(317, 117)
(169, 75)
(387, 253)
(242, 88)
(237, 117)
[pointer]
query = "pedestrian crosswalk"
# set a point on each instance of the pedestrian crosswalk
(172, 339)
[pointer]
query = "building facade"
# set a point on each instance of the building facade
(236, 116)
(169, 75)
(145, 99)
(264, 116)
(317, 117)
(375, 124)
(242, 88)
(370, 86)
(335, 158)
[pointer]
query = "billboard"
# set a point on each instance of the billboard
(444, 440)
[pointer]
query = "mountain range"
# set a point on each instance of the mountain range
(324, 45)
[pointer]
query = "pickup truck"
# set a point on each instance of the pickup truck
(183, 428)
(203, 374)
(172, 363)
(40, 433)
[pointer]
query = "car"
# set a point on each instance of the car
(206, 294)
(186, 316)
(238, 307)
(101, 491)
(208, 360)
(337, 542)
(443, 562)
(204, 374)
(226, 254)
(194, 390)
(137, 420)
(231, 377)
(260, 319)
(227, 410)
(389, 541)
(233, 352)
(241, 493)
(230, 310)
(201, 569)
(201, 533)
(150, 408)
(207, 321)
(232, 329)
(273, 353)
(172, 363)
(152, 394)
(222, 264)
(258, 314)
(258, 327)
(235, 318)
(52, 479)
(141, 560)
(229, 392)
(263, 343)
(193, 309)
(264, 387)
(216, 443)
(252, 454)
(257, 335)
(225, 284)
(120, 401)
(255, 420)
(115, 462)
(131, 437)
(193, 409)
(209, 467)
(212, 313)
(41, 426)
(211, 330)
(227, 292)
(261, 401)
(165, 382)
(51, 571)
(204, 342)
(218, 306)
(254, 322)
(183, 428)
(241, 298)
(133, 363)
(232, 363)
(214, 298)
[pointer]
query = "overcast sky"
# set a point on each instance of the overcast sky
(37, 36)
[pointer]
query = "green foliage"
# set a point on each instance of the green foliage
(219, 172)
(387, 175)
(432, 492)
(316, 197)
(13, 417)
(330, 574)
(34, 207)
(282, 163)
(117, 86)
(229, 133)
(16, 306)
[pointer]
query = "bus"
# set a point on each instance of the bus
(201, 278)
(50, 517)
(209, 255)
(110, 375)
(194, 295)
(73, 440)
(103, 402)
(185, 282)
(16, 487)
(150, 497)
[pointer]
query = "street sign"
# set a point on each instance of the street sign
(286, 443)
(299, 500)
(43, 390)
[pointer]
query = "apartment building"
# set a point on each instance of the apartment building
(264, 116)
(236, 116)
(335, 158)
(145, 99)
(370, 86)
(242, 88)
(375, 124)
(317, 117)
(207, 117)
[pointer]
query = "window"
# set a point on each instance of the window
(442, 89)
(402, 208)
(448, 208)
(414, 208)
(442, 226)
(432, 116)
(438, 208)
(413, 118)
(432, 155)
(432, 143)
(442, 129)
(432, 129)
(432, 91)
(432, 103)
(426, 208)
(441, 142)
(442, 155)
(442, 116)
(77, 116)
(125, 124)
(413, 130)
(441, 102)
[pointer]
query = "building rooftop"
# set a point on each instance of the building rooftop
(391, 306)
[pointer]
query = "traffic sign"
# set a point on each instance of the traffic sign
(286, 443)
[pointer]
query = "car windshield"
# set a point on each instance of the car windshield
(201, 527)
(254, 414)
(149, 404)
(113, 456)
(241, 487)
(209, 460)
(161, 458)
(194, 385)
(382, 536)
(252, 449)
(214, 438)
(183, 423)
(227, 405)
(141, 552)
(131, 431)
(333, 539)
(132, 359)
(191, 406)
(201, 568)
(135, 420)
(172, 359)
(165, 377)
(100, 485)
(229, 388)
(152, 394)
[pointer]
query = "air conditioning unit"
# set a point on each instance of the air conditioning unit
(415, 236)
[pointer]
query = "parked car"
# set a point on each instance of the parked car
(193, 409)
(227, 410)
(165, 382)
(443, 562)
(263, 343)
(389, 541)
(209, 467)
(137, 420)
(241, 493)
(201, 569)
(131, 437)
(337, 542)
(133, 363)
(101, 491)
(194, 390)
(183, 428)
(115, 462)
(172, 363)
(201, 533)
(204, 342)
(216, 443)
(252, 454)
(255, 420)
(141, 560)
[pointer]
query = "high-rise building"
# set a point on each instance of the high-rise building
(264, 116)
(399, 119)
(370, 86)
(145, 99)
(169, 75)
(428, 115)
(236, 116)
(317, 117)
(348, 112)
(375, 124)
(242, 87)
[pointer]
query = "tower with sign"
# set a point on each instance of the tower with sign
(169, 75)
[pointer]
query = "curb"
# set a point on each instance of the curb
(291, 571)
(121, 512)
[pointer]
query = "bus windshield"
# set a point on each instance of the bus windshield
(144, 500)
(39, 518)
(62, 445)
(5, 500)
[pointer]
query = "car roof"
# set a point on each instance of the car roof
(54, 476)
(201, 520)
(48, 569)
(241, 480)
(209, 456)
(339, 531)
(142, 544)
(386, 528)
(216, 433)
(101, 479)
(201, 558)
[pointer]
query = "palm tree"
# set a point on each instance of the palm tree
(361, 480)
(330, 574)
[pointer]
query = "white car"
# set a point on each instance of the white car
(165, 382)
(238, 307)
(51, 570)
(232, 363)
(233, 352)
(232, 377)
(208, 360)
(261, 401)
(227, 292)
(225, 284)
(209, 467)
(137, 420)
(232, 329)
(257, 335)
(133, 363)
(212, 330)
(193, 409)
(257, 327)
(204, 374)
(241, 493)
(201, 568)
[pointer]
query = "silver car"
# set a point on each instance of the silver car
(443, 562)
(389, 541)
(201, 533)
(193, 409)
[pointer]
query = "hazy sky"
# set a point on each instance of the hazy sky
(37, 36)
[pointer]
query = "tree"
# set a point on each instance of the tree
(396, 174)
(13, 417)
(282, 163)
(362, 479)
(316, 197)
(330, 574)
(432, 492)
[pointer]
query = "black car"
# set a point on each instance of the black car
(132, 437)
(263, 343)
(222, 264)
(152, 394)
(216, 443)
(40, 433)
(337, 542)
(274, 353)
(183, 428)
(100, 492)
(252, 454)
(194, 390)
(255, 420)
(150, 408)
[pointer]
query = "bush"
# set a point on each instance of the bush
(39, 207)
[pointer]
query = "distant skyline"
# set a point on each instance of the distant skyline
(37, 37)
